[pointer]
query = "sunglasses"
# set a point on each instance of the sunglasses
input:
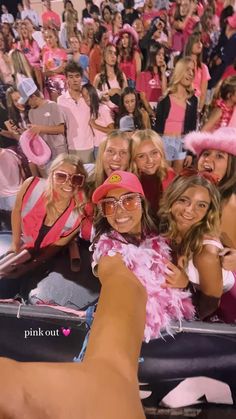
(129, 202)
(76, 179)
(190, 171)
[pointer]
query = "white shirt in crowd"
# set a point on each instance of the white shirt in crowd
(7, 18)
(32, 15)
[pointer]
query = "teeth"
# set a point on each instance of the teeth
(67, 190)
(208, 168)
(115, 167)
(122, 220)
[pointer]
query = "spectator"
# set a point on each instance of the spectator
(36, 34)
(77, 115)
(50, 19)
(176, 113)
(88, 36)
(223, 107)
(90, 9)
(114, 154)
(129, 56)
(150, 165)
(8, 35)
(68, 29)
(153, 81)
(49, 222)
(20, 66)
(54, 62)
(107, 17)
(46, 119)
(81, 59)
(111, 80)
(6, 16)
(69, 7)
(193, 49)
(132, 106)
(95, 56)
(116, 23)
(28, 12)
(129, 14)
(101, 120)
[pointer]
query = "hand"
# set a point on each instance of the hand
(105, 96)
(15, 247)
(92, 123)
(163, 68)
(188, 161)
(176, 277)
(228, 259)
(36, 129)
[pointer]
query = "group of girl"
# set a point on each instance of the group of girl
(176, 233)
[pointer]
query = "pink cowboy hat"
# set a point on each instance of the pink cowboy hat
(35, 148)
(127, 29)
(223, 139)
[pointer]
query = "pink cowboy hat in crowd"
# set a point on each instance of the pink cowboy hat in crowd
(223, 139)
(118, 179)
(35, 148)
(127, 29)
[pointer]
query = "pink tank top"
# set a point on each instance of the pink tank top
(175, 121)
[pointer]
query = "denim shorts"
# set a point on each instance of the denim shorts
(173, 147)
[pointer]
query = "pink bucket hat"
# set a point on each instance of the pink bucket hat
(35, 148)
(223, 139)
(118, 179)
(232, 21)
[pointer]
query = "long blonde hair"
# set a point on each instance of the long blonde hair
(149, 135)
(20, 64)
(209, 225)
(73, 160)
(99, 173)
(177, 75)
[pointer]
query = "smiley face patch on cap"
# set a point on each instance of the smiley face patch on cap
(115, 179)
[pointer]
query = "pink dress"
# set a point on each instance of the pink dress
(148, 262)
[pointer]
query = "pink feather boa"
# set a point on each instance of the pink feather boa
(147, 261)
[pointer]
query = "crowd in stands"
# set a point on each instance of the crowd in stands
(120, 126)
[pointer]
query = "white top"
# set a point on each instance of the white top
(192, 272)
(7, 18)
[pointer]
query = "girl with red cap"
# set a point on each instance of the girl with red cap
(123, 225)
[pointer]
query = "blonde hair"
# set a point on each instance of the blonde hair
(99, 173)
(149, 135)
(177, 75)
(208, 225)
(73, 160)
(20, 64)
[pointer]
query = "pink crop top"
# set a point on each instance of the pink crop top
(175, 121)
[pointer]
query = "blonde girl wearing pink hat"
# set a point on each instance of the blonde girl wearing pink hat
(216, 154)
(123, 225)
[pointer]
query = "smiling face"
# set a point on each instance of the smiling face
(147, 158)
(15, 96)
(65, 191)
(122, 220)
(116, 155)
(188, 75)
(214, 161)
(130, 102)
(190, 208)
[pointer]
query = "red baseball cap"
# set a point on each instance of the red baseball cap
(118, 179)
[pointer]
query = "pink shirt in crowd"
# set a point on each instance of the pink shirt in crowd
(77, 117)
(175, 121)
(51, 16)
(201, 74)
(10, 179)
(54, 58)
(150, 84)
(104, 119)
(31, 51)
